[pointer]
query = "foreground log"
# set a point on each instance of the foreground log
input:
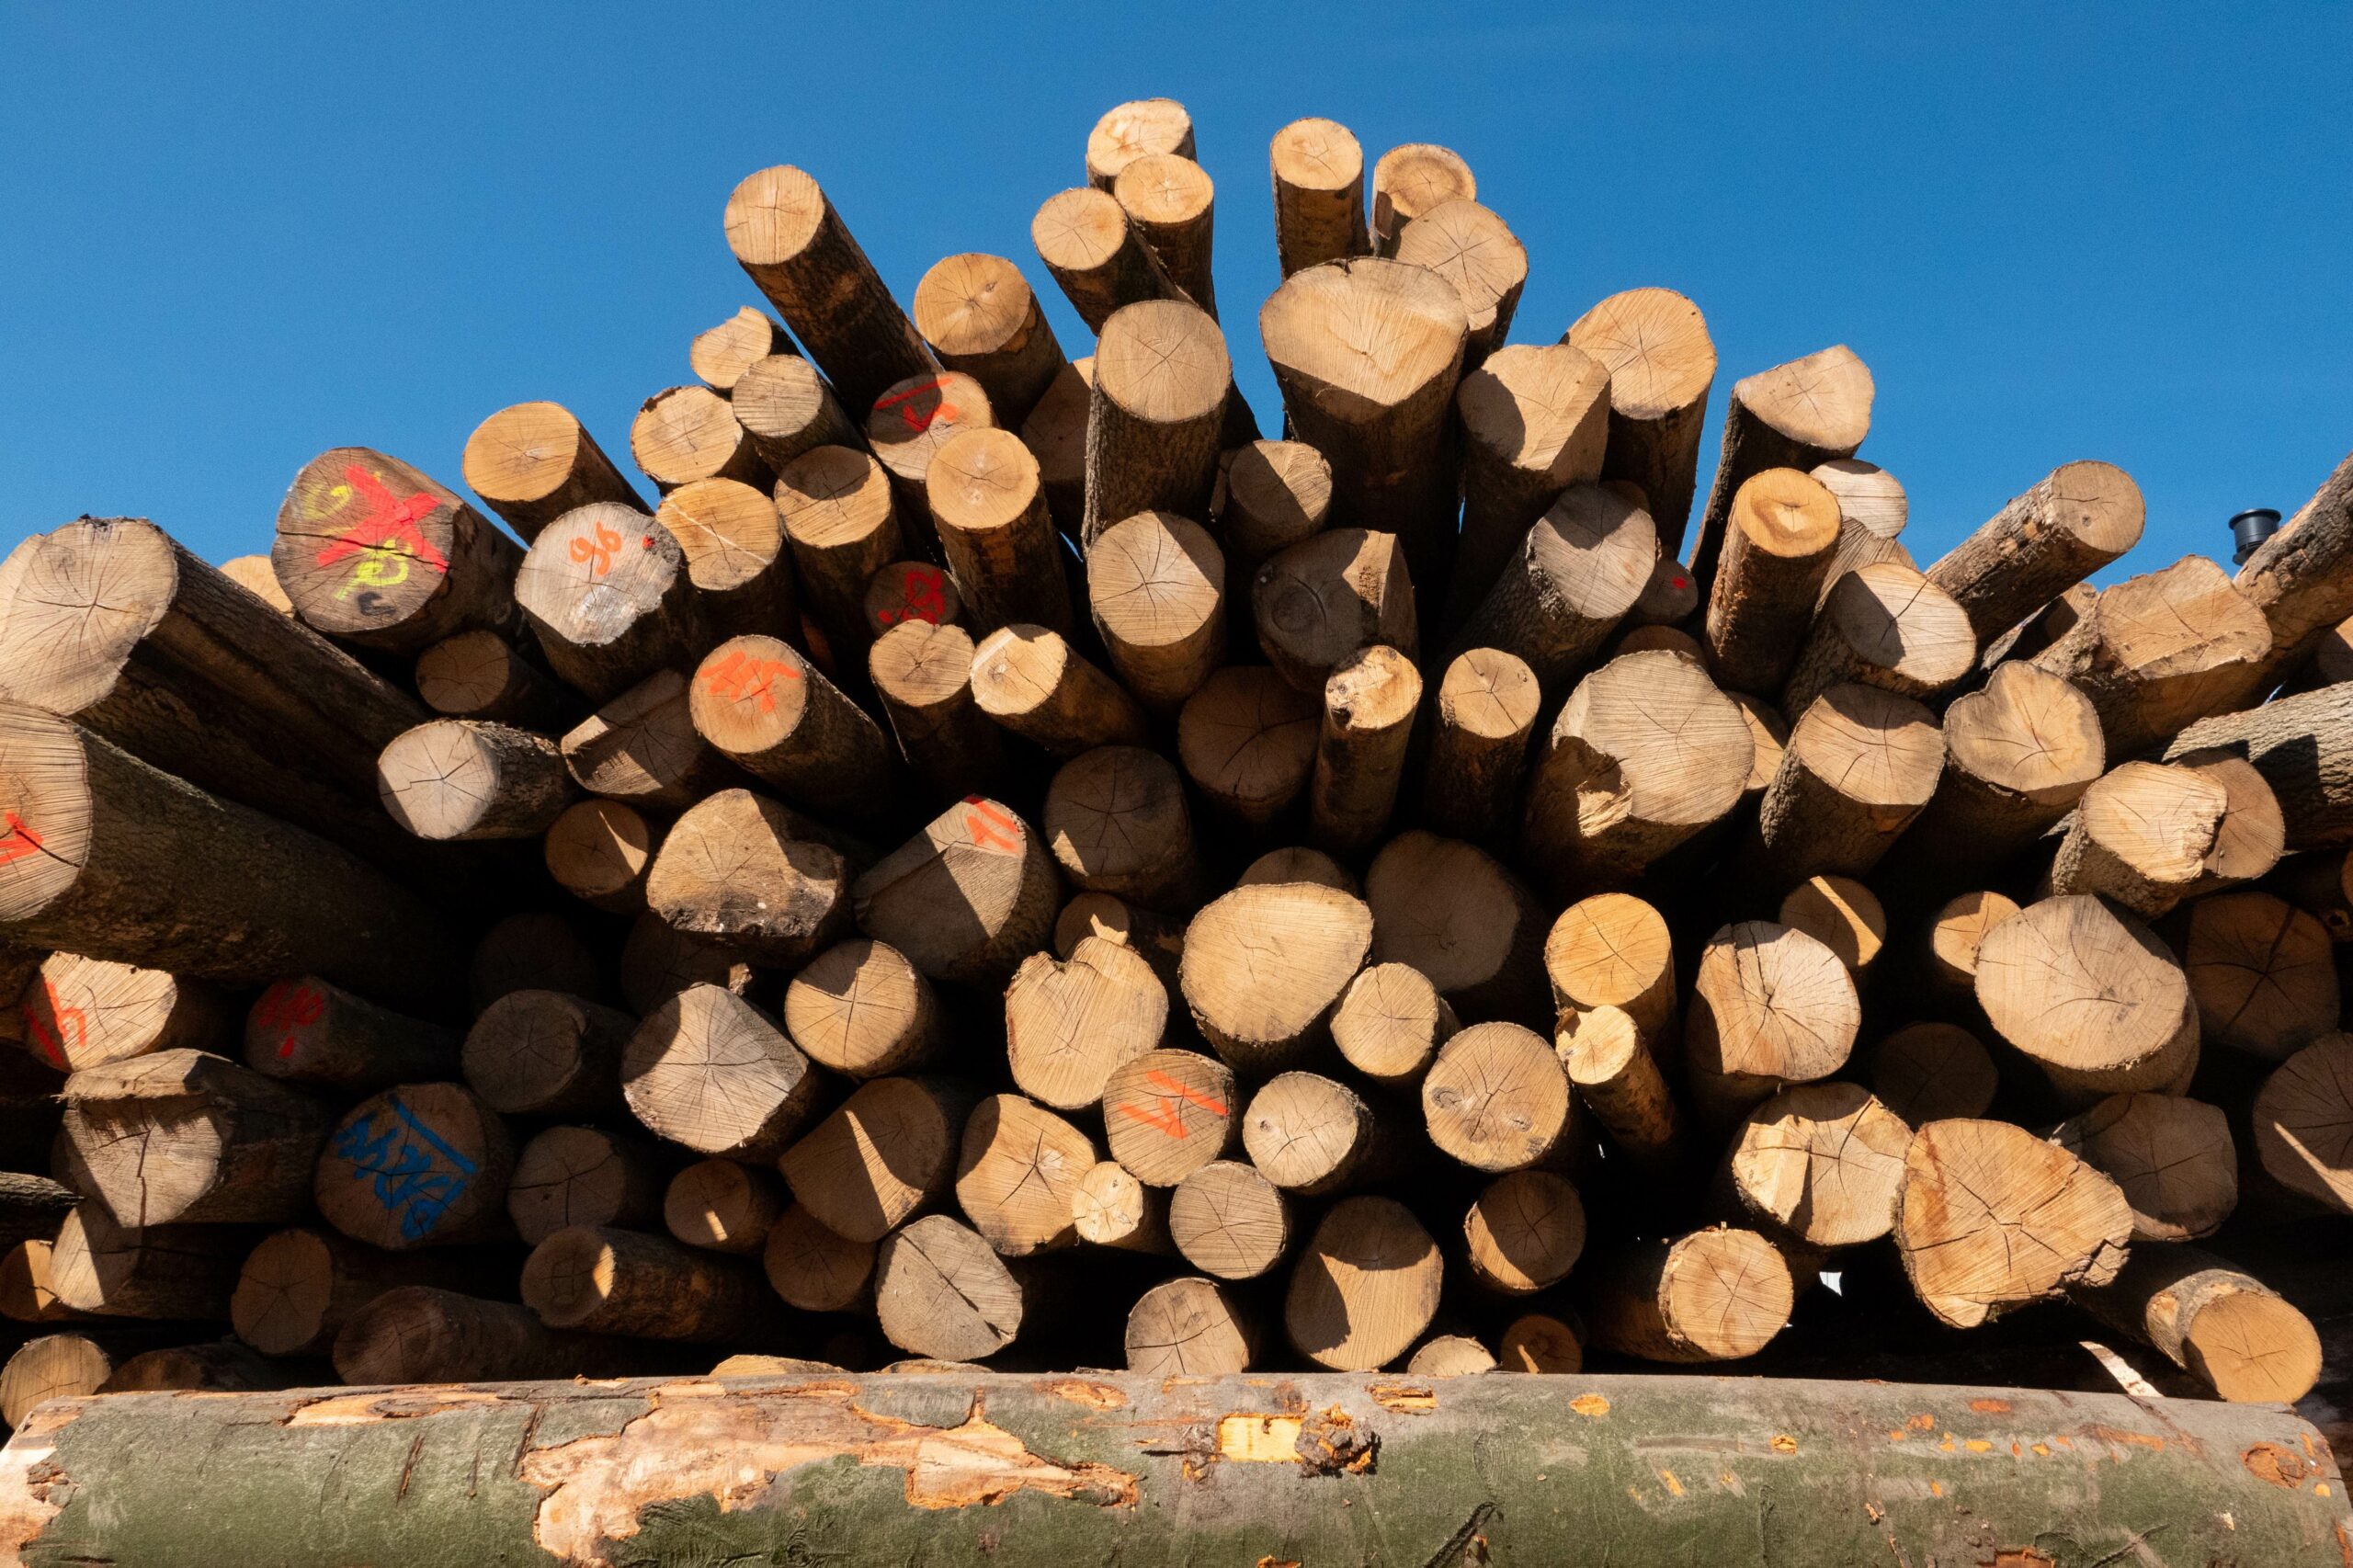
(1319, 198)
(1567, 583)
(534, 461)
(2298, 577)
(610, 595)
(463, 778)
(979, 317)
(1716, 1295)
(2091, 995)
(1265, 965)
(1798, 415)
(2075, 521)
(2227, 1328)
(1662, 364)
(2159, 652)
(184, 1136)
(1989, 1219)
(2303, 747)
(650, 1477)
(2018, 755)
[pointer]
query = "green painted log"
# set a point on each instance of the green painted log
(1326, 1470)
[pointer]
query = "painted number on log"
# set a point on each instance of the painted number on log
(62, 1025)
(922, 596)
(739, 677)
(18, 841)
(991, 828)
(291, 1006)
(1166, 1114)
(417, 1174)
(596, 554)
(386, 537)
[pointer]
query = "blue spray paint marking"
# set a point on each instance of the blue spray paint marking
(408, 1180)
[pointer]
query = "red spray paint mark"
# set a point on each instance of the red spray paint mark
(739, 677)
(1165, 1115)
(989, 827)
(923, 596)
(388, 522)
(915, 415)
(18, 841)
(72, 1023)
(291, 1006)
(599, 551)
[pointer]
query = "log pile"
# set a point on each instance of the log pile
(993, 856)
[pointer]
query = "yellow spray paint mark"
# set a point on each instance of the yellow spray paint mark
(1590, 1405)
(1784, 1444)
(1260, 1440)
(1672, 1485)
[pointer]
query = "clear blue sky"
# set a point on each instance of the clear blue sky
(234, 235)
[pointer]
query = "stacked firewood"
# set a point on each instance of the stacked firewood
(1029, 860)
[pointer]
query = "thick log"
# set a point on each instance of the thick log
(1018, 1171)
(597, 1279)
(2227, 1328)
(1189, 1328)
(2160, 651)
(989, 506)
(1524, 1232)
(1171, 201)
(373, 552)
(723, 355)
(1098, 256)
(298, 1288)
(1229, 1220)
(1820, 1164)
(707, 1070)
(1487, 703)
(1274, 495)
(922, 673)
(2262, 973)
(1116, 822)
(966, 899)
(1156, 585)
(1645, 752)
(1861, 764)
(887, 1152)
(1662, 364)
(906, 427)
(1882, 624)
(1569, 581)
(794, 245)
(1028, 679)
(1989, 1219)
(977, 316)
(723, 1206)
(2303, 747)
(787, 409)
(736, 558)
(425, 1165)
(1777, 546)
(534, 461)
(1534, 422)
(861, 1009)
(157, 1271)
(1474, 249)
(186, 1137)
(599, 851)
(843, 527)
(2019, 754)
(2091, 995)
(774, 714)
(941, 1292)
(1496, 1099)
(1770, 1007)
(479, 675)
(1367, 353)
(1265, 965)
(1799, 416)
(1168, 1113)
(2300, 1117)
(1410, 180)
(1365, 1286)
(2077, 520)
(1842, 915)
(1110, 1208)
(1617, 1077)
(464, 779)
(81, 1012)
(684, 435)
(1327, 597)
(2298, 577)
(1369, 701)
(738, 871)
(1452, 911)
(1071, 1023)
(609, 596)
(1319, 198)
(545, 1053)
(418, 1334)
(66, 1365)
(1714, 1295)
(1928, 1071)
(2171, 1157)
(814, 1268)
(107, 857)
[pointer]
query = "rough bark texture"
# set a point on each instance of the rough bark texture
(2302, 577)
(1487, 703)
(2303, 747)
(2075, 521)
(1319, 195)
(1098, 256)
(1571, 579)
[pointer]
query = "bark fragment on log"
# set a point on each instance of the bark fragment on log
(941, 1292)
(1018, 1171)
(734, 541)
(478, 674)
(1410, 180)
(599, 851)
(1071, 1023)
(1452, 911)
(2172, 1158)
(2077, 520)
(884, 1153)
(1168, 1113)
(989, 507)
(1327, 597)
(1097, 254)
(2303, 1123)
(1487, 703)
(1714, 1295)
(967, 898)
(723, 1206)
(863, 1010)
(1474, 250)
(2262, 973)
(721, 355)
(1534, 420)
(1989, 1219)
(1031, 681)
(1188, 1328)
(685, 434)
(1770, 1007)
(1265, 965)
(1931, 1072)
(1171, 201)
(774, 714)
(534, 461)
(609, 594)
(1567, 585)
(1800, 415)
(839, 518)
(1524, 1232)
(597, 1279)
(1861, 764)
(2019, 754)
(2229, 1329)
(978, 315)
(1882, 624)
(182, 1136)
(1496, 1099)
(2298, 577)
(1156, 585)
(2091, 995)
(2303, 747)
(1775, 562)
(1319, 197)
(2160, 651)
(922, 673)
(1820, 1164)
(1662, 365)
(464, 778)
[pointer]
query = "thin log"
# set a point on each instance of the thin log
(1842, 915)
(478, 674)
(2297, 578)
(544, 1053)
(1110, 1208)
(425, 1165)
(989, 507)
(1872, 510)
(1017, 1172)
(1496, 1099)
(658, 963)
(722, 1205)
(911, 590)
(1160, 940)
(1450, 1356)
(609, 596)
(1538, 1342)
(941, 1292)
(723, 355)
(1487, 703)
(1617, 1078)
(2077, 520)
(1313, 1136)
(1882, 624)
(1410, 180)
(2299, 1119)
(1171, 201)
(2020, 753)
(2171, 1157)
(1031, 681)
(1319, 195)
(1229, 1220)
(2227, 1328)
(1714, 1295)
(1156, 586)
(1570, 580)
(1055, 434)
(922, 673)
(843, 527)
(1861, 764)
(774, 714)
(534, 461)
(1274, 495)
(584, 1176)
(464, 778)
(419, 1333)
(1798, 415)
(1820, 1164)
(906, 427)
(787, 409)
(734, 541)
(1097, 254)
(1535, 419)
(1369, 701)
(1474, 250)
(1134, 129)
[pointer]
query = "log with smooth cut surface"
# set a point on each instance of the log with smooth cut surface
(2020, 753)
(863, 1010)
(1487, 703)
(907, 426)
(2303, 1123)
(479, 675)
(1228, 1218)
(1097, 255)
(707, 1070)
(1474, 249)
(1778, 542)
(884, 1154)
(1172, 202)
(2160, 651)
(774, 714)
(1161, 381)
(1364, 1286)
(609, 594)
(81, 1012)
(1452, 911)
(1333, 593)
(968, 898)
(979, 316)
(1314, 1135)
(1133, 129)
(2143, 837)
(1390, 1024)
(1188, 1328)
(814, 1267)
(1369, 701)
(2227, 1328)
(2172, 1158)
(2302, 745)
(1931, 1071)
(1820, 1164)
(1117, 822)
(1156, 585)
(685, 434)
(424, 1165)
(787, 409)
(2077, 520)
(1071, 1023)
(1948, 947)
(2091, 995)
(736, 871)
(534, 461)
(599, 852)
(1617, 1077)
(1110, 1208)
(1882, 624)
(299, 1287)
(181, 1136)
(583, 1176)
(922, 673)
(1798, 415)
(641, 746)
(103, 1268)
(1524, 1232)
(941, 1292)
(256, 576)
(1410, 180)
(1770, 1007)
(988, 503)
(842, 525)
(1264, 966)
(1319, 194)
(1613, 950)
(1989, 1218)
(1017, 1172)
(2262, 971)
(1534, 419)
(1496, 1099)
(1567, 583)
(1841, 914)
(1031, 681)
(1274, 494)
(463, 778)
(1654, 344)
(1168, 1113)
(1714, 1295)
(722, 1205)
(597, 1279)
(1861, 764)
(720, 355)
(736, 558)
(1872, 510)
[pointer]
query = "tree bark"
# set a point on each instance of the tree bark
(534, 461)
(2075, 521)
(1775, 563)
(2303, 747)
(1799, 416)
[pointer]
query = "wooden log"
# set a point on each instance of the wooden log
(2299, 1119)
(1274, 495)
(723, 1206)
(794, 245)
(723, 355)
(1171, 202)
(107, 857)
(1613, 951)
(1487, 703)
(1882, 624)
(1819, 1164)
(1390, 1024)
(1135, 130)
(1842, 915)
(256, 576)
(1265, 965)
(1450, 1356)
(734, 541)
(1369, 701)
(1452, 911)
(1496, 1099)
(597, 1279)
(773, 713)
(906, 427)
(1017, 1175)
(1538, 1342)
(2143, 836)
(1055, 434)
(966, 899)
(2302, 745)
(1098, 255)
(373, 552)
(221, 1366)
(1313, 1136)
(419, 1333)
(609, 596)
(1474, 250)
(1328, 596)
(32, 1208)
(1777, 545)
(1365, 1286)
(977, 316)
(1168, 1113)
(1770, 1006)
(2297, 578)
(841, 523)
(657, 963)
(52, 1366)
(1410, 180)
(2160, 651)
(2262, 973)
(1861, 764)
(911, 590)
(155, 1271)
(1713, 1295)
(1156, 585)
(2318, 884)
(1524, 1232)
(2225, 1327)
(1670, 596)
(1617, 1077)
(2020, 753)
(1030, 681)
(1645, 752)
(1872, 510)
(2077, 520)
(922, 673)
(1662, 365)
(886, 1152)
(1159, 940)
(1116, 822)
(1797, 415)
(1929, 1071)
(533, 950)
(2091, 995)
(1071, 1023)
(1298, 863)
(464, 778)
(1989, 1218)
(736, 871)
(989, 506)
(1379, 417)
(940, 1291)
(534, 461)
(182, 1136)
(1228, 1218)
(1188, 1328)
(707, 1070)
(1110, 1208)
(82, 1012)
(425, 1165)
(2171, 1157)
(861, 1009)
(1535, 419)
(685, 434)
(815, 1269)
(581, 1176)
(478, 674)
(599, 851)
(1319, 197)
(788, 410)
(298, 1288)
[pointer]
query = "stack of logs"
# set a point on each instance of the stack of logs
(1009, 861)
